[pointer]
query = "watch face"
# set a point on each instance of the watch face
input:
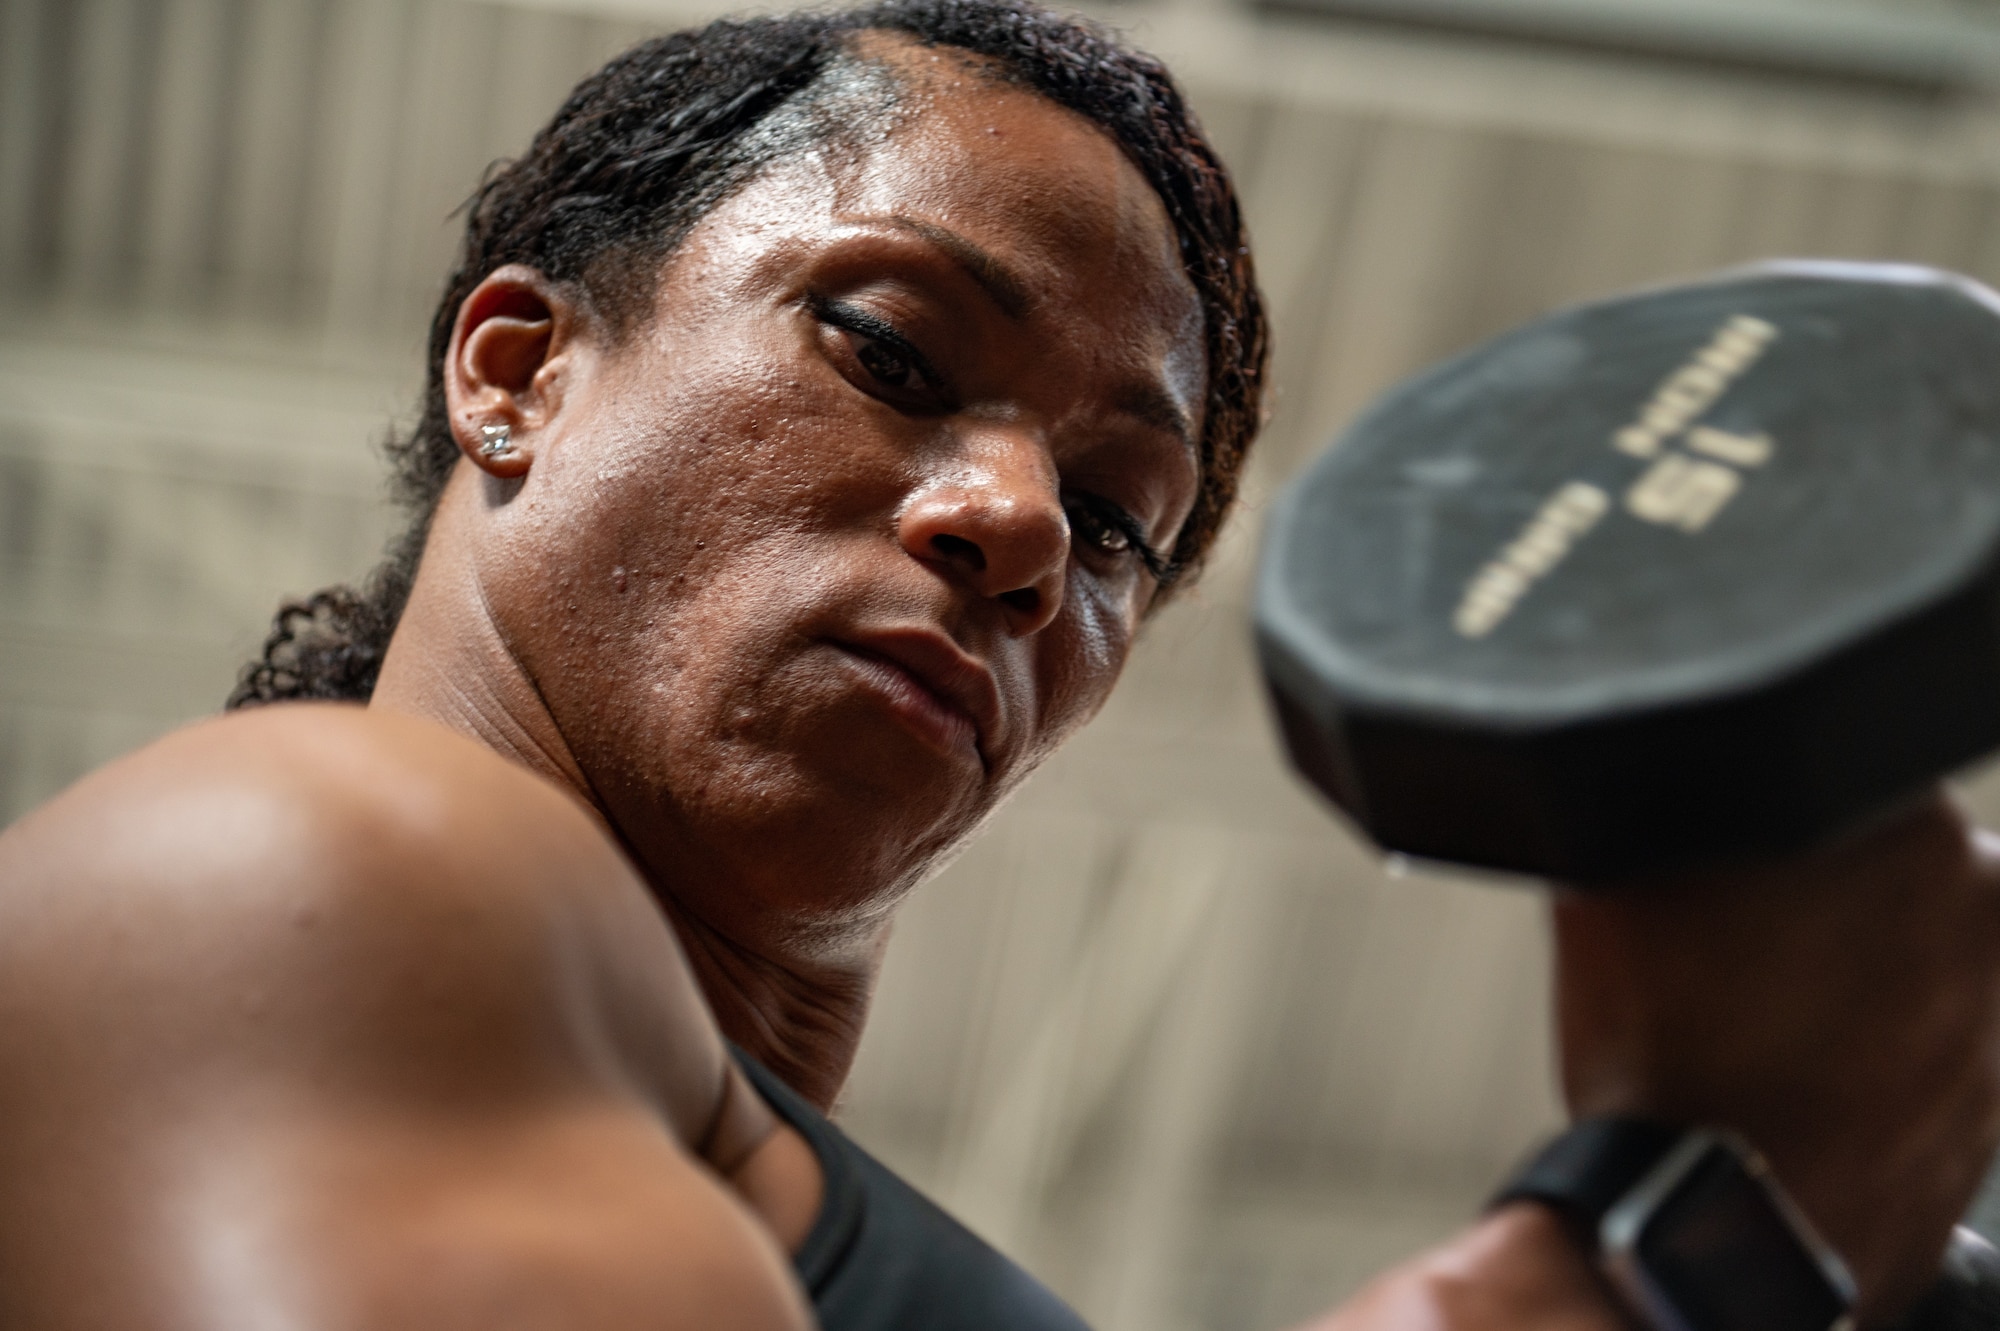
(1722, 1253)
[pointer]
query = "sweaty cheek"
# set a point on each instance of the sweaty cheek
(1096, 638)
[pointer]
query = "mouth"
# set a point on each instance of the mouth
(947, 697)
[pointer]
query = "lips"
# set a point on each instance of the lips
(955, 687)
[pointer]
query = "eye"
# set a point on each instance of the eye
(1089, 524)
(1110, 532)
(880, 360)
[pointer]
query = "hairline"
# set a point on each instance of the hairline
(656, 255)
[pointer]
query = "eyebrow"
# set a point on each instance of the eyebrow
(1148, 403)
(1154, 406)
(994, 277)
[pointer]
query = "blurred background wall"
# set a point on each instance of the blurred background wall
(1166, 1032)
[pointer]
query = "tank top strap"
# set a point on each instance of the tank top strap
(883, 1257)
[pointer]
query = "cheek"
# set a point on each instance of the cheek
(1082, 660)
(680, 472)
(685, 524)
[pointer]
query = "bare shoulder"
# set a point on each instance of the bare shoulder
(314, 792)
(321, 866)
(265, 789)
(311, 873)
(321, 1016)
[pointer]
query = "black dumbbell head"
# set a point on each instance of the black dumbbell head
(1702, 573)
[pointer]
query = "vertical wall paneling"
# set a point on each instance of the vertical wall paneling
(354, 229)
(182, 207)
(23, 133)
(101, 172)
(275, 140)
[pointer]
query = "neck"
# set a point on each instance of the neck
(801, 1019)
(451, 667)
(795, 1001)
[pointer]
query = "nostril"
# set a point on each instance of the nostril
(960, 551)
(1024, 600)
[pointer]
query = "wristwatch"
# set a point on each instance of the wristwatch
(1689, 1228)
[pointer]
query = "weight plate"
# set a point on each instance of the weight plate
(1696, 573)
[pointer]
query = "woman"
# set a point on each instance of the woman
(816, 413)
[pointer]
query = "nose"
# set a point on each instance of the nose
(995, 524)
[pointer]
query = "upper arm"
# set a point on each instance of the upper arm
(348, 1042)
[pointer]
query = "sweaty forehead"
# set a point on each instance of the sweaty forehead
(931, 141)
(1023, 178)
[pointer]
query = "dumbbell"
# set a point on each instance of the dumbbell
(1699, 574)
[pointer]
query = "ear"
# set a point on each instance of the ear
(503, 370)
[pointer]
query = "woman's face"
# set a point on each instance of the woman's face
(814, 567)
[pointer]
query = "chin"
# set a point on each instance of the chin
(832, 835)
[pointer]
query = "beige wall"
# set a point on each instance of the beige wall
(1165, 1030)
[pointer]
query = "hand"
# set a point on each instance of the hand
(1515, 1269)
(1840, 1009)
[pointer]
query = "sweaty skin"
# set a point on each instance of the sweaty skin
(298, 1028)
(411, 1016)
(795, 629)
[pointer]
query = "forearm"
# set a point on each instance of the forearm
(1841, 1010)
(1513, 1269)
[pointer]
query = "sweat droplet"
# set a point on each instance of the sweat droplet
(618, 579)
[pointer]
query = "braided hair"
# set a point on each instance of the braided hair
(648, 144)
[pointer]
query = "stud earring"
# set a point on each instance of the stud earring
(499, 441)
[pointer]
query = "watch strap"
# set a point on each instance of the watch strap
(1584, 1172)
(1966, 1294)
